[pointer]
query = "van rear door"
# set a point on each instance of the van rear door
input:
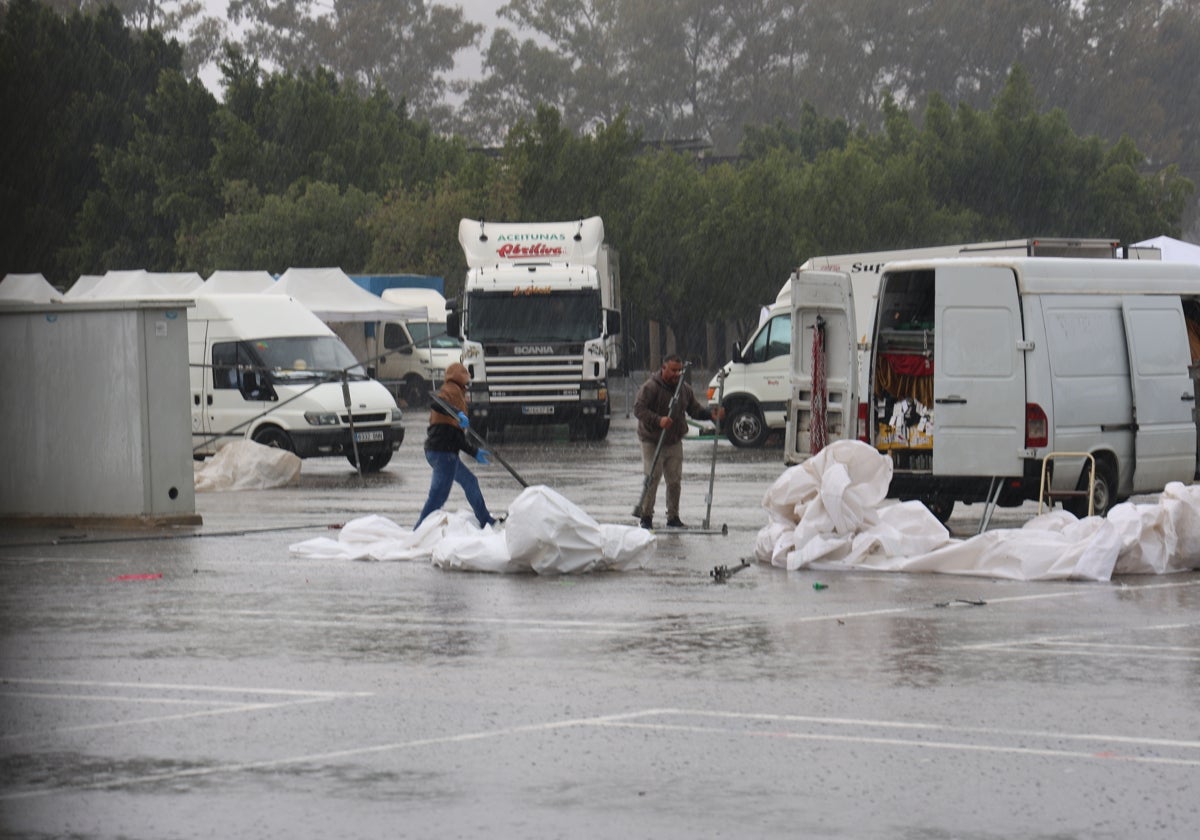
(979, 373)
(1163, 393)
(824, 298)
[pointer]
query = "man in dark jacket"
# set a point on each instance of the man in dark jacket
(650, 408)
(445, 438)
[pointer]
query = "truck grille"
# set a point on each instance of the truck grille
(374, 417)
(530, 379)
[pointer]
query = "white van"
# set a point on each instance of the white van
(264, 367)
(757, 380)
(980, 368)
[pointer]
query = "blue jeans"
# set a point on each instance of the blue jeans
(447, 469)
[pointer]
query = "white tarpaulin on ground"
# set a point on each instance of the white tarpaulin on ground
(831, 513)
(246, 465)
(544, 533)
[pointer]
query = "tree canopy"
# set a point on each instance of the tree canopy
(116, 156)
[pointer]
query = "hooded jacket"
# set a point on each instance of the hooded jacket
(444, 433)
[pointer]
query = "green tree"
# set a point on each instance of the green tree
(156, 188)
(68, 86)
(281, 127)
(406, 47)
(310, 225)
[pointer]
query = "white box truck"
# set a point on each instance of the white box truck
(980, 368)
(265, 368)
(409, 355)
(418, 350)
(757, 384)
(539, 319)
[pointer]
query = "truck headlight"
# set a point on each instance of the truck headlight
(397, 415)
(321, 418)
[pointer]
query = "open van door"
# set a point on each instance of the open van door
(1163, 392)
(979, 373)
(823, 329)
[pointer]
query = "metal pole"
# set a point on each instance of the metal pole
(712, 471)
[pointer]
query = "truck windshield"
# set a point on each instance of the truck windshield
(559, 316)
(422, 330)
(306, 358)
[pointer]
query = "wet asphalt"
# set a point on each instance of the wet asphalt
(205, 683)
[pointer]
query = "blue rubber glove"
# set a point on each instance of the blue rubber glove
(482, 457)
(463, 422)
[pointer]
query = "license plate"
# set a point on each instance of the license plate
(537, 409)
(369, 437)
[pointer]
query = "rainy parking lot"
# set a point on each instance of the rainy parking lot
(208, 683)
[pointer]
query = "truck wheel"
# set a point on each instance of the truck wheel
(594, 429)
(273, 436)
(1104, 496)
(372, 461)
(416, 391)
(745, 427)
(940, 506)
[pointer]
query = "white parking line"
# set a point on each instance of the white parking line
(638, 721)
(145, 695)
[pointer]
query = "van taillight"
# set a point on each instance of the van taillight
(1037, 429)
(863, 420)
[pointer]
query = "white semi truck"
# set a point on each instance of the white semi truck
(539, 319)
(757, 379)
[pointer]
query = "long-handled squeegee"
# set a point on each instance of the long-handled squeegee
(479, 441)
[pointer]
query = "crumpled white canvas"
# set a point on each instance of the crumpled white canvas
(544, 533)
(246, 465)
(830, 513)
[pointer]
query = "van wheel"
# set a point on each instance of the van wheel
(745, 427)
(940, 506)
(273, 436)
(372, 461)
(1104, 496)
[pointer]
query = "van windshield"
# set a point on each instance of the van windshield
(422, 330)
(306, 358)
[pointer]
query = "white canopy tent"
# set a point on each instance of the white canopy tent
(140, 284)
(333, 297)
(237, 283)
(27, 288)
(83, 286)
(1173, 250)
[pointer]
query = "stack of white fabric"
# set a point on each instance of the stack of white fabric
(544, 533)
(831, 512)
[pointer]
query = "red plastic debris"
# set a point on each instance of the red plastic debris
(148, 576)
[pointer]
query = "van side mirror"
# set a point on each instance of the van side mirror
(612, 321)
(453, 323)
(737, 350)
